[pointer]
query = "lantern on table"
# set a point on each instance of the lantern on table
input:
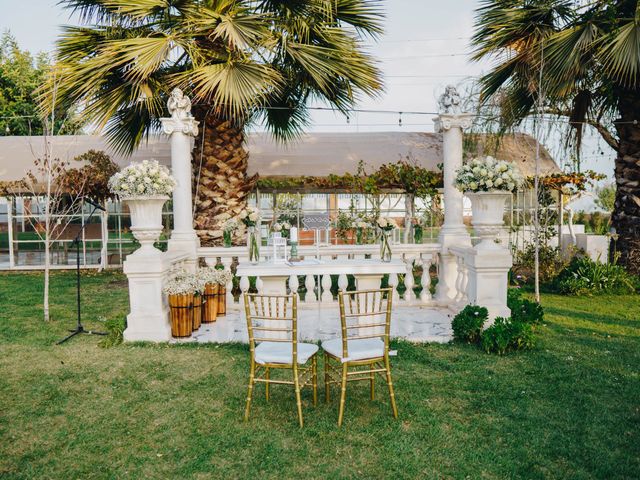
(279, 245)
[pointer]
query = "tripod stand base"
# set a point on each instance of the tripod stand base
(78, 330)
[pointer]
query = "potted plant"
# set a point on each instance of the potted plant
(250, 216)
(144, 188)
(488, 183)
(229, 228)
(180, 290)
(386, 226)
(214, 282)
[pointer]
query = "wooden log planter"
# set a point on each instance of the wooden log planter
(210, 308)
(181, 311)
(197, 311)
(222, 300)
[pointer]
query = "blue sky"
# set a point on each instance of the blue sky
(424, 48)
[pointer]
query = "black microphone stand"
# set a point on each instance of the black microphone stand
(79, 328)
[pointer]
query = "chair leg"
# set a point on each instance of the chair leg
(390, 383)
(372, 381)
(327, 392)
(314, 366)
(296, 383)
(343, 393)
(250, 392)
(267, 376)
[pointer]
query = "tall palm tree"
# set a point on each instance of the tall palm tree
(241, 61)
(584, 59)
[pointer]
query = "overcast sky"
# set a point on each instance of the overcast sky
(425, 47)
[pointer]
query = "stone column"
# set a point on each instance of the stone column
(451, 122)
(180, 127)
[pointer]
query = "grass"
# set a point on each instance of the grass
(568, 409)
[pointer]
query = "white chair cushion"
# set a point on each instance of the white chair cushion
(358, 349)
(281, 352)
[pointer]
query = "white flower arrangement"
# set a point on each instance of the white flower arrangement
(144, 179)
(214, 275)
(250, 216)
(281, 226)
(386, 223)
(362, 224)
(231, 225)
(487, 174)
(183, 283)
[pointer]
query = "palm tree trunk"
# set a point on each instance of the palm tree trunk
(221, 186)
(626, 213)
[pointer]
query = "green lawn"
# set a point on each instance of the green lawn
(568, 409)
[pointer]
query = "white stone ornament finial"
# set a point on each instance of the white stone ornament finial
(449, 101)
(179, 105)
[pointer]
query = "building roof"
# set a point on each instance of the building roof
(316, 154)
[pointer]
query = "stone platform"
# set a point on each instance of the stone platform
(415, 324)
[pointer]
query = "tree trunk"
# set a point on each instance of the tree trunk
(221, 186)
(626, 213)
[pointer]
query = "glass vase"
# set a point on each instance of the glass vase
(417, 234)
(226, 238)
(385, 246)
(359, 236)
(253, 245)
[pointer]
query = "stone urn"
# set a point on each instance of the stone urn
(146, 221)
(488, 216)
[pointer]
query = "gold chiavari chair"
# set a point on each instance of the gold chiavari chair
(272, 321)
(363, 350)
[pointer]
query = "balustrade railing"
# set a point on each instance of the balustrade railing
(317, 285)
(462, 278)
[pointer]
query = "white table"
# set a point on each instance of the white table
(368, 273)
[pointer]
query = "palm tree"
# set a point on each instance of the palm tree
(583, 59)
(241, 61)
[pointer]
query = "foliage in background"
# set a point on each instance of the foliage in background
(94, 175)
(467, 324)
(606, 197)
(506, 335)
(594, 222)
(568, 182)
(404, 175)
(551, 262)
(21, 73)
(584, 276)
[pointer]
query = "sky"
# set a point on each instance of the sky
(425, 47)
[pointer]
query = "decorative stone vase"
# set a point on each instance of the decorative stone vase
(385, 246)
(146, 221)
(253, 245)
(488, 216)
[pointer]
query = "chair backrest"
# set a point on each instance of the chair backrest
(272, 318)
(365, 314)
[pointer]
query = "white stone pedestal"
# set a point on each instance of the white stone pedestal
(488, 280)
(148, 319)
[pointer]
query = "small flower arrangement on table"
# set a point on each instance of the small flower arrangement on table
(228, 229)
(145, 179)
(250, 216)
(486, 175)
(283, 227)
(386, 225)
(361, 227)
(417, 224)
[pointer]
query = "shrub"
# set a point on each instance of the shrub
(467, 324)
(551, 263)
(115, 328)
(584, 276)
(522, 309)
(507, 335)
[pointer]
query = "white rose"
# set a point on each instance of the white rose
(253, 216)
(125, 187)
(483, 172)
(473, 186)
(489, 184)
(498, 182)
(132, 178)
(140, 188)
(510, 186)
